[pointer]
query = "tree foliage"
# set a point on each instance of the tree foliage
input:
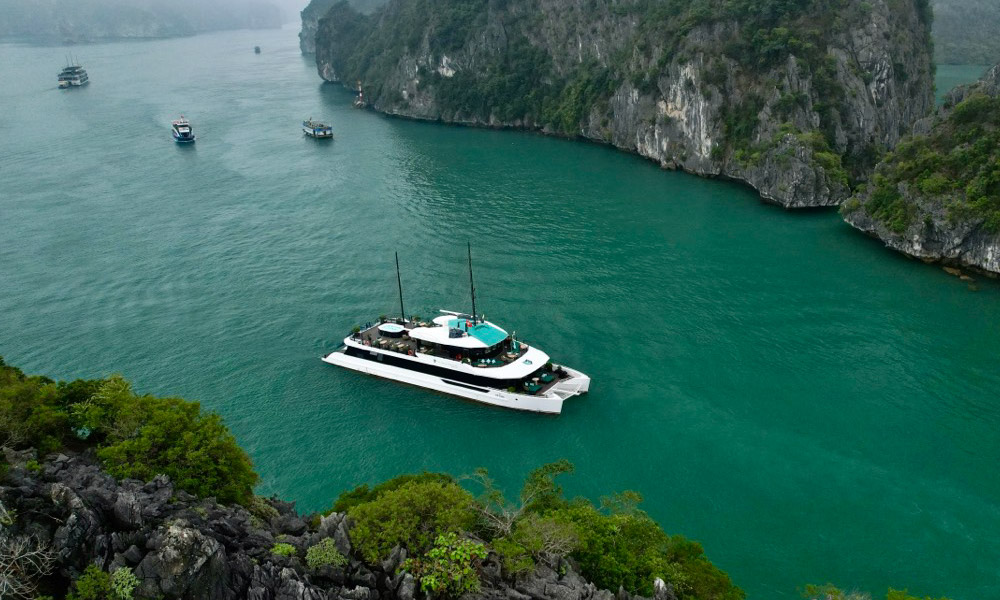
(832, 592)
(449, 568)
(325, 554)
(412, 515)
(137, 436)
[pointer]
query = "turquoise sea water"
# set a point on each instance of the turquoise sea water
(948, 76)
(807, 404)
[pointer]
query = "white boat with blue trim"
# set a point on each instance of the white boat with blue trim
(317, 129)
(462, 355)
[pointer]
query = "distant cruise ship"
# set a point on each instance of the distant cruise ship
(73, 76)
(463, 355)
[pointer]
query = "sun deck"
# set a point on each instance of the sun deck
(394, 336)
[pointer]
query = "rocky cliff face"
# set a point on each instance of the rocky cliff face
(937, 197)
(316, 10)
(311, 15)
(181, 547)
(795, 101)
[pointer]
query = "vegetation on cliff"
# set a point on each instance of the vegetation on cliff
(956, 166)
(71, 529)
(937, 195)
(135, 436)
(762, 74)
(614, 545)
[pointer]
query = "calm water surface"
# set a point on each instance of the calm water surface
(808, 405)
(948, 76)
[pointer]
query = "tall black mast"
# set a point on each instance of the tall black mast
(472, 286)
(400, 283)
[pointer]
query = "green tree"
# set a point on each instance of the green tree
(449, 568)
(413, 516)
(92, 584)
(174, 437)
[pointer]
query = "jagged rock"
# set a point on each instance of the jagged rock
(663, 590)
(127, 511)
(407, 587)
(396, 557)
(183, 548)
(356, 593)
(290, 524)
(184, 563)
(335, 526)
(363, 576)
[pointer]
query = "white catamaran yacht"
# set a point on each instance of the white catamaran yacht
(463, 355)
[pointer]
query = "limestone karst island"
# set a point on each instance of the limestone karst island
(499, 299)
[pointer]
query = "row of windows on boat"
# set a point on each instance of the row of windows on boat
(446, 373)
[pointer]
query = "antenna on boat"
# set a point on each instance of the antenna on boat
(400, 283)
(472, 286)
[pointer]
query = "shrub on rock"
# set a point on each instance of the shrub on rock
(412, 516)
(325, 554)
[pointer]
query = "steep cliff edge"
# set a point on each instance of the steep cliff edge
(316, 9)
(937, 196)
(795, 99)
(311, 15)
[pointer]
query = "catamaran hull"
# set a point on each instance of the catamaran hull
(550, 403)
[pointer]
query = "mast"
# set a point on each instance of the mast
(472, 286)
(400, 283)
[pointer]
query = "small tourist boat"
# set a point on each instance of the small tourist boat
(73, 75)
(316, 129)
(462, 355)
(181, 130)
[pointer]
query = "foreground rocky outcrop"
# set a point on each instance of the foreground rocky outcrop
(181, 547)
(796, 101)
(937, 197)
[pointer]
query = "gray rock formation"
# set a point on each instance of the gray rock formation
(933, 230)
(795, 116)
(183, 548)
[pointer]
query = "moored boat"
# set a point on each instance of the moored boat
(462, 355)
(181, 130)
(317, 129)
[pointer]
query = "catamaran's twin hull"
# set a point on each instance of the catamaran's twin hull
(550, 402)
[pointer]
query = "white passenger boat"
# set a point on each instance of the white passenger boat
(463, 355)
(317, 129)
(73, 75)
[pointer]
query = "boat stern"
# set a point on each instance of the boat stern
(576, 384)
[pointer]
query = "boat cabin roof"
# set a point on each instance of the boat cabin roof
(474, 335)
